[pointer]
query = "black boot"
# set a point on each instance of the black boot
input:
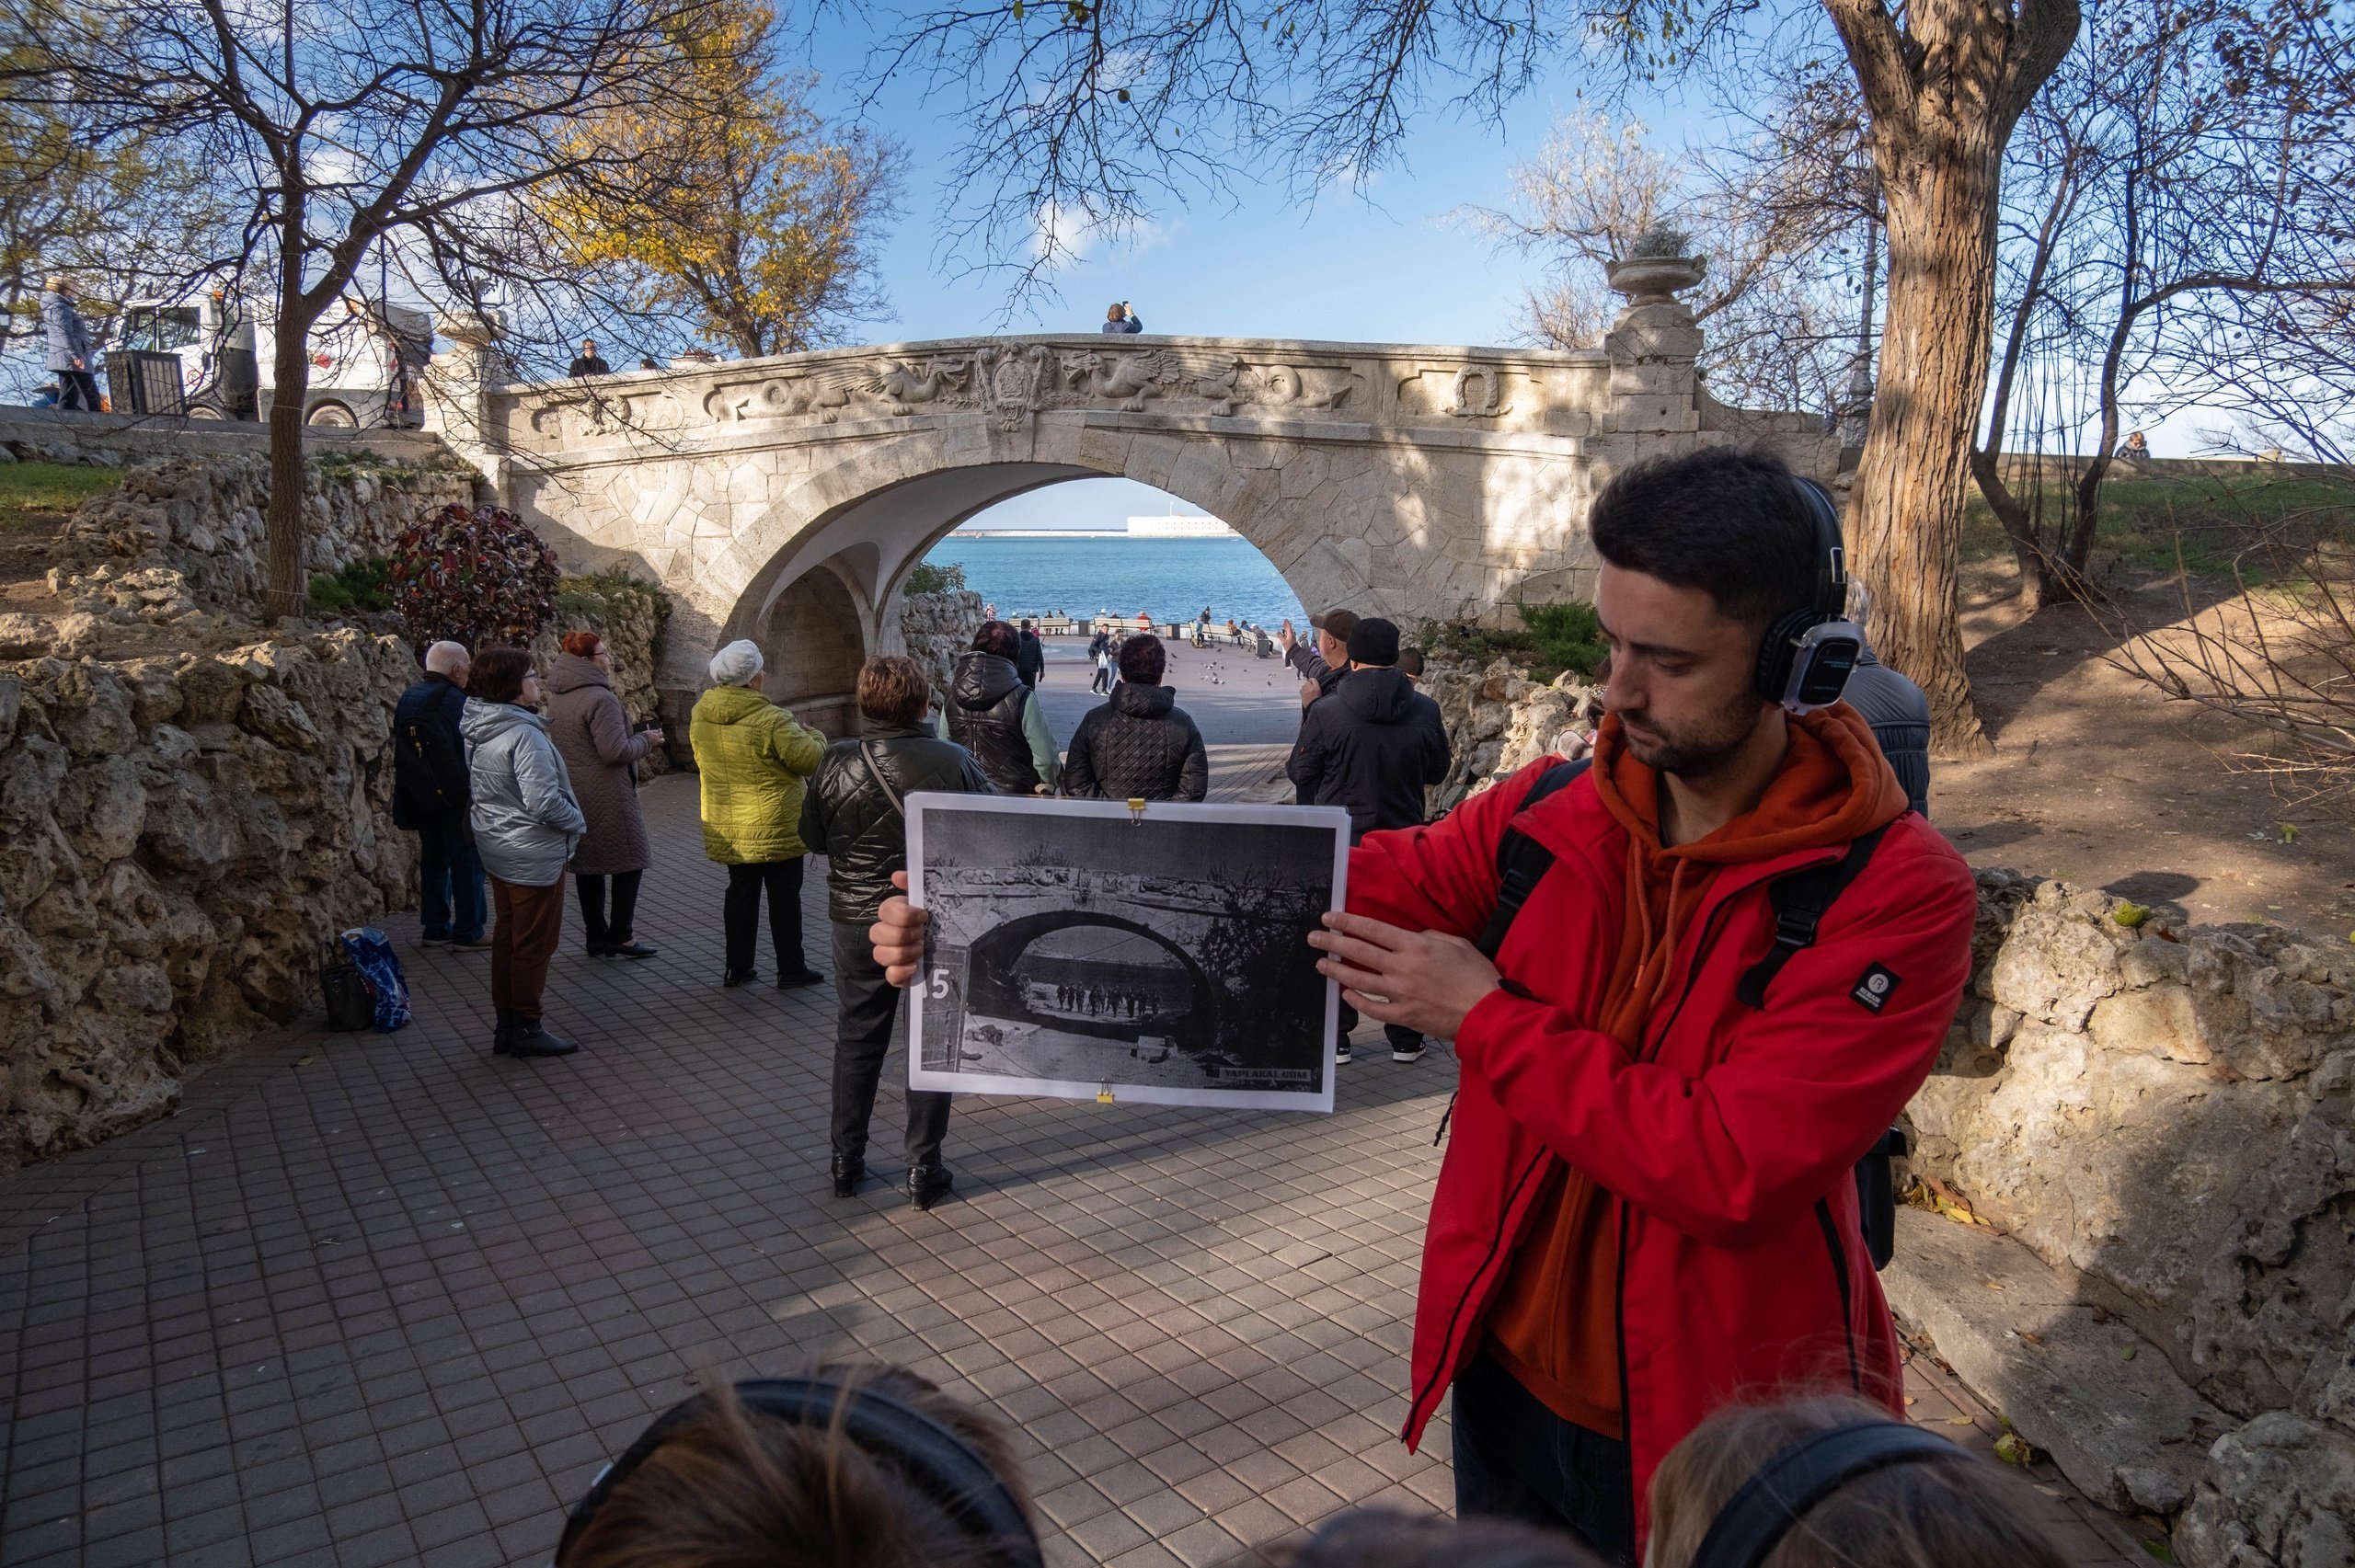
(849, 1171)
(502, 1039)
(928, 1184)
(535, 1038)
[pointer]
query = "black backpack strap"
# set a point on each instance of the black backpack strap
(1799, 900)
(1521, 861)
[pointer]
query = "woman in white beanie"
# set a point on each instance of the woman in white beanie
(753, 758)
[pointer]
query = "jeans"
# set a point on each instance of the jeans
(608, 927)
(530, 921)
(1516, 1459)
(77, 390)
(739, 914)
(863, 1038)
(446, 854)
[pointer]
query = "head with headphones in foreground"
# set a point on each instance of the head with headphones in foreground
(845, 1467)
(1833, 1482)
(1721, 594)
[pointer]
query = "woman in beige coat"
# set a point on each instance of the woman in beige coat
(591, 733)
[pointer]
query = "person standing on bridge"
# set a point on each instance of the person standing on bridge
(589, 362)
(1139, 745)
(994, 714)
(855, 816)
(1121, 319)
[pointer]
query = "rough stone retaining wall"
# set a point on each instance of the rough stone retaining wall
(2167, 1116)
(937, 627)
(182, 541)
(1499, 721)
(183, 832)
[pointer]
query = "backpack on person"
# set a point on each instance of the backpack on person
(1799, 900)
(429, 764)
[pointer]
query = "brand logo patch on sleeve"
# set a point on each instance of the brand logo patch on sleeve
(1874, 987)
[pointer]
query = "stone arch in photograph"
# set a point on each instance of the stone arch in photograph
(992, 990)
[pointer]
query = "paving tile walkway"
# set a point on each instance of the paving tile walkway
(369, 1301)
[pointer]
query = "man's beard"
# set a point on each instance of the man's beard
(1698, 750)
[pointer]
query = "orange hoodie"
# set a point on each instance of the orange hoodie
(1555, 1326)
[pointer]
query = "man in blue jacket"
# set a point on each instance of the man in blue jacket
(71, 355)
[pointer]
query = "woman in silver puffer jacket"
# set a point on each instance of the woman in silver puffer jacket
(525, 820)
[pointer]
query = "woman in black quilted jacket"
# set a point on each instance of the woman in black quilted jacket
(1140, 745)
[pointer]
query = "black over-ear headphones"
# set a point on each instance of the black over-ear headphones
(936, 1460)
(1804, 662)
(1759, 1516)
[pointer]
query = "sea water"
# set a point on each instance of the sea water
(1169, 579)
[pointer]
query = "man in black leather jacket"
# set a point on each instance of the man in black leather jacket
(854, 814)
(994, 714)
(1139, 745)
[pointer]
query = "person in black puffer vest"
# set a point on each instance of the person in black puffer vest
(855, 814)
(1139, 745)
(997, 717)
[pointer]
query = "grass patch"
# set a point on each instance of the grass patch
(2216, 517)
(358, 589)
(1552, 638)
(925, 577)
(48, 487)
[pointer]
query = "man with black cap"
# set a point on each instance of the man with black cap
(1373, 748)
(1325, 662)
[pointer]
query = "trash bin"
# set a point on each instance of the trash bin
(143, 383)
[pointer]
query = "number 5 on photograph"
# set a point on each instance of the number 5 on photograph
(1078, 949)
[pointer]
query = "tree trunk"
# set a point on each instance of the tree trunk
(283, 521)
(1939, 181)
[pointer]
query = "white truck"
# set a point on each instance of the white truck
(367, 359)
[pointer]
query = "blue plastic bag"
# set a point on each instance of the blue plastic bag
(371, 952)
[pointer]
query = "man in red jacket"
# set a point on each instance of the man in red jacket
(1645, 1208)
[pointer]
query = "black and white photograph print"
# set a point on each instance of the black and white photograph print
(1077, 949)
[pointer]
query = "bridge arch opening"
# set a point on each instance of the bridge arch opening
(831, 594)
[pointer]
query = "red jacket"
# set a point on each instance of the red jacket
(1726, 1146)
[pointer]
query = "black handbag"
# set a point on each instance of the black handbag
(350, 1005)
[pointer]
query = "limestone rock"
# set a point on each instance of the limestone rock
(2281, 1494)
(182, 832)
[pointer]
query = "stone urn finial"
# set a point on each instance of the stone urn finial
(1656, 266)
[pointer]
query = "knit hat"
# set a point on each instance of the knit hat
(736, 663)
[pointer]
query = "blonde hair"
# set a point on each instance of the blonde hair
(1939, 1513)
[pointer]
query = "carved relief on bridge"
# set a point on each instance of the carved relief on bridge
(1013, 380)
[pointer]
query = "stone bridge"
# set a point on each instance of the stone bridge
(783, 499)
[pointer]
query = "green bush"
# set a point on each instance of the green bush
(1552, 638)
(360, 588)
(925, 577)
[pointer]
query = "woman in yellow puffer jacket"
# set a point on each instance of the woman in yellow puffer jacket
(754, 759)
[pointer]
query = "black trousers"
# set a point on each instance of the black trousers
(1516, 1459)
(870, 1005)
(77, 389)
(608, 926)
(1399, 1034)
(741, 913)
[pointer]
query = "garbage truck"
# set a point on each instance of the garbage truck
(367, 361)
